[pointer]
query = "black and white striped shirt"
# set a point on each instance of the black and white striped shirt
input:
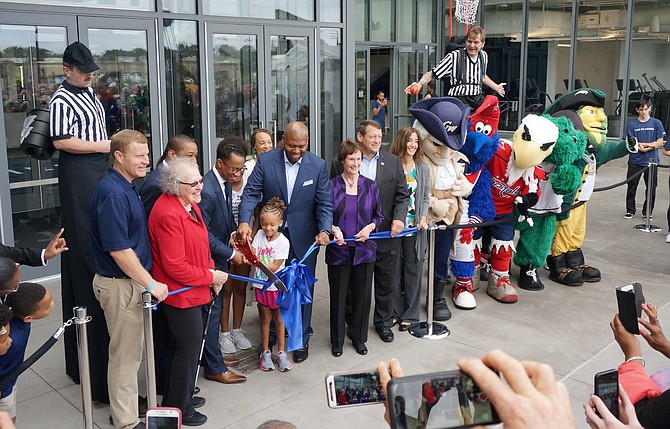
(76, 112)
(472, 84)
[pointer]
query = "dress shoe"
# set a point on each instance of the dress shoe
(228, 377)
(231, 361)
(361, 349)
(301, 355)
(198, 401)
(336, 351)
(194, 419)
(385, 333)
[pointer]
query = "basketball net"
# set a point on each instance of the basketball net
(466, 11)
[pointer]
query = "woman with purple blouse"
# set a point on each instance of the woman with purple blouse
(356, 213)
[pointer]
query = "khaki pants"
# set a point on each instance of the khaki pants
(118, 299)
(570, 232)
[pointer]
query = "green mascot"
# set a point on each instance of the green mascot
(585, 108)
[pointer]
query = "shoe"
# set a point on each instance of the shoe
(628, 215)
(441, 310)
(385, 333)
(667, 238)
(301, 355)
(198, 401)
(231, 361)
(336, 351)
(266, 361)
(361, 349)
(240, 340)
(462, 295)
(560, 272)
(404, 326)
(228, 377)
(575, 260)
(528, 279)
(194, 419)
(226, 343)
(501, 289)
(284, 363)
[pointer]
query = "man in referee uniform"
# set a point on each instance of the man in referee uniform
(77, 121)
(466, 84)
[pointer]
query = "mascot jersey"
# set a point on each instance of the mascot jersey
(504, 192)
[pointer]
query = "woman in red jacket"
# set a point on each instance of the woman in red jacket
(181, 257)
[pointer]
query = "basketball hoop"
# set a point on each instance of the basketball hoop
(466, 11)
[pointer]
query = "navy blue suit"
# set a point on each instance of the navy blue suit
(310, 209)
(217, 213)
(150, 189)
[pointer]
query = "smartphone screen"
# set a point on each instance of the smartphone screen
(352, 389)
(606, 387)
(439, 401)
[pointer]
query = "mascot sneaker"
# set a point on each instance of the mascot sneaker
(462, 295)
(501, 289)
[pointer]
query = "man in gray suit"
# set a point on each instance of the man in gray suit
(386, 170)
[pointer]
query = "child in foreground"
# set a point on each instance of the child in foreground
(272, 249)
(31, 301)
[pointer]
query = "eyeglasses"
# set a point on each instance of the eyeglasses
(6, 292)
(192, 184)
(234, 170)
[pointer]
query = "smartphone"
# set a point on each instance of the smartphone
(629, 301)
(163, 418)
(442, 400)
(606, 387)
(354, 388)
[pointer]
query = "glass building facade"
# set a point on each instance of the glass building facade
(212, 68)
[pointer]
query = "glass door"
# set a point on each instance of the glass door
(289, 71)
(127, 82)
(259, 77)
(362, 86)
(31, 70)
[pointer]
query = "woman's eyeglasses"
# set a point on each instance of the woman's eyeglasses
(192, 184)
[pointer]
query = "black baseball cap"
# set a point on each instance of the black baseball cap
(80, 56)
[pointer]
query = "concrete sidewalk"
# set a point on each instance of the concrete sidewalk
(565, 327)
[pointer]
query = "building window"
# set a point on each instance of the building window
(294, 10)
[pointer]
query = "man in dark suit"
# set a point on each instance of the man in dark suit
(300, 178)
(179, 146)
(386, 170)
(35, 257)
(217, 212)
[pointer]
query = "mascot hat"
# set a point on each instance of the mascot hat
(488, 113)
(445, 118)
(573, 100)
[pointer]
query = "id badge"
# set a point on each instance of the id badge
(592, 168)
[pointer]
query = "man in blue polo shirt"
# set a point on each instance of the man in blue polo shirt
(121, 257)
(649, 133)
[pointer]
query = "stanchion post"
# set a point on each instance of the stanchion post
(651, 183)
(147, 306)
(81, 319)
(430, 330)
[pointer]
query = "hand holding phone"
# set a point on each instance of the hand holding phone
(606, 387)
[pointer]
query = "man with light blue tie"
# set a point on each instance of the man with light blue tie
(300, 179)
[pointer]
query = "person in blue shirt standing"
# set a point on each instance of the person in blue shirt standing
(379, 110)
(650, 134)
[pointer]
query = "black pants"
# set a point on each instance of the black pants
(186, 328)
(654, 413)
(357, 281)
(632, 189)
(387, 285)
